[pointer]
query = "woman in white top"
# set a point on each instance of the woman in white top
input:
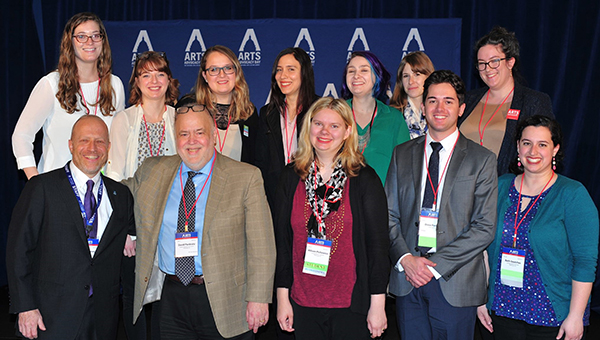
(82, 84)
(145, 129)
(414, 68)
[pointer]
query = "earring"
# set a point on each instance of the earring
(553, 163)
(518, 161)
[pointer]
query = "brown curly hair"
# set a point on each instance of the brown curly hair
(68, 84)
(152, 61)
(241, 107)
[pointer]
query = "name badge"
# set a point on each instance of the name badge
(186, 244)
(246, 132)
(93, 244)
(316, 257)
(513, 114)
(512, 267)
(428, 228)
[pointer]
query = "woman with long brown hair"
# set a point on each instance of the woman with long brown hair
(222, 87)
(82, 84)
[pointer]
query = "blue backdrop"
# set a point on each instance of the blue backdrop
(257, 43)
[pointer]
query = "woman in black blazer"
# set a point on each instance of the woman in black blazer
(492, 112)
(292, 93)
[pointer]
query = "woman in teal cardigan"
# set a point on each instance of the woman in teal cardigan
(380, 127)
(543, 262)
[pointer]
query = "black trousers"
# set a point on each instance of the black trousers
(512, 329)
(186, 314)
(328, 323)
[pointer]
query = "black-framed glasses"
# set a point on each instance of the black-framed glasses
(83, 38)
(493, 64)
(193, 107)
(214, 71)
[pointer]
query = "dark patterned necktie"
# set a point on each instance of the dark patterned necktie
(185, 268)
(429, 197)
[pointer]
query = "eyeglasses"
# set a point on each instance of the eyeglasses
(493, 64)
(214, 71)
(83, 38)
(193, 107)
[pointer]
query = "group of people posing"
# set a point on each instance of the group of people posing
(318, 206)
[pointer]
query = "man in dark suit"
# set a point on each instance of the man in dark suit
(442, 193)
(65, 244)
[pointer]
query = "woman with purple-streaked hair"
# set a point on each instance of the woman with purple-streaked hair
(380, 127)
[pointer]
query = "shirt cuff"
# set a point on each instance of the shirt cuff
(398, 266)
(434, 272)
(26, 162)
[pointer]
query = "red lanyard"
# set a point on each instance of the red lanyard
(369, 126)
(493, 114)
(519, 207)
(185, 211)
(221, 146)
(148, 135)
(97, 97)
(435, 190)
(318, 216)
(288, 141)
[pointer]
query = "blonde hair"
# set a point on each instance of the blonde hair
(68, 83)
(419, 62)
(352, 160)
(241, 108)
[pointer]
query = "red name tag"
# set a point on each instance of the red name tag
(513, 114)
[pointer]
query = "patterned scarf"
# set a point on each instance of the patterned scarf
(323, 197)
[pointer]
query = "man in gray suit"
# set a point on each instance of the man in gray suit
(442, 193)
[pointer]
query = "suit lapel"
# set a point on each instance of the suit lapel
(417, 165)
(111, 229)
(456, 160)
(72, 210)
(215, 194)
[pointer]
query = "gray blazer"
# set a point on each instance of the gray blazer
(467, 218)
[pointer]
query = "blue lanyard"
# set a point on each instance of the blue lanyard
(88, 222)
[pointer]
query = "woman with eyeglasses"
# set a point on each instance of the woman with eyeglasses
(82, 84)
(145, 129)
(414, 68)
(492, 112)
(280, 122)
(380, 127)
(221, 86)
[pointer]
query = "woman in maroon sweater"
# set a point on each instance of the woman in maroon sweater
(332, 233)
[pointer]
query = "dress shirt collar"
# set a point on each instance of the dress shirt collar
(81, 179)
(447, 143)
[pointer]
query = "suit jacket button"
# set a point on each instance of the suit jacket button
(417, 224)
(86, 287)
(146, 279)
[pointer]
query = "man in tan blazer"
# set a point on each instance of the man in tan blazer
(234, 257)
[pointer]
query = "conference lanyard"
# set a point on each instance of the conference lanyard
(221, 146)
(148, 135)
(519, 208)
(97, 97)
(289, 140)
(185, 211)
(88, 222)
(481, 133)
(435, 190)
